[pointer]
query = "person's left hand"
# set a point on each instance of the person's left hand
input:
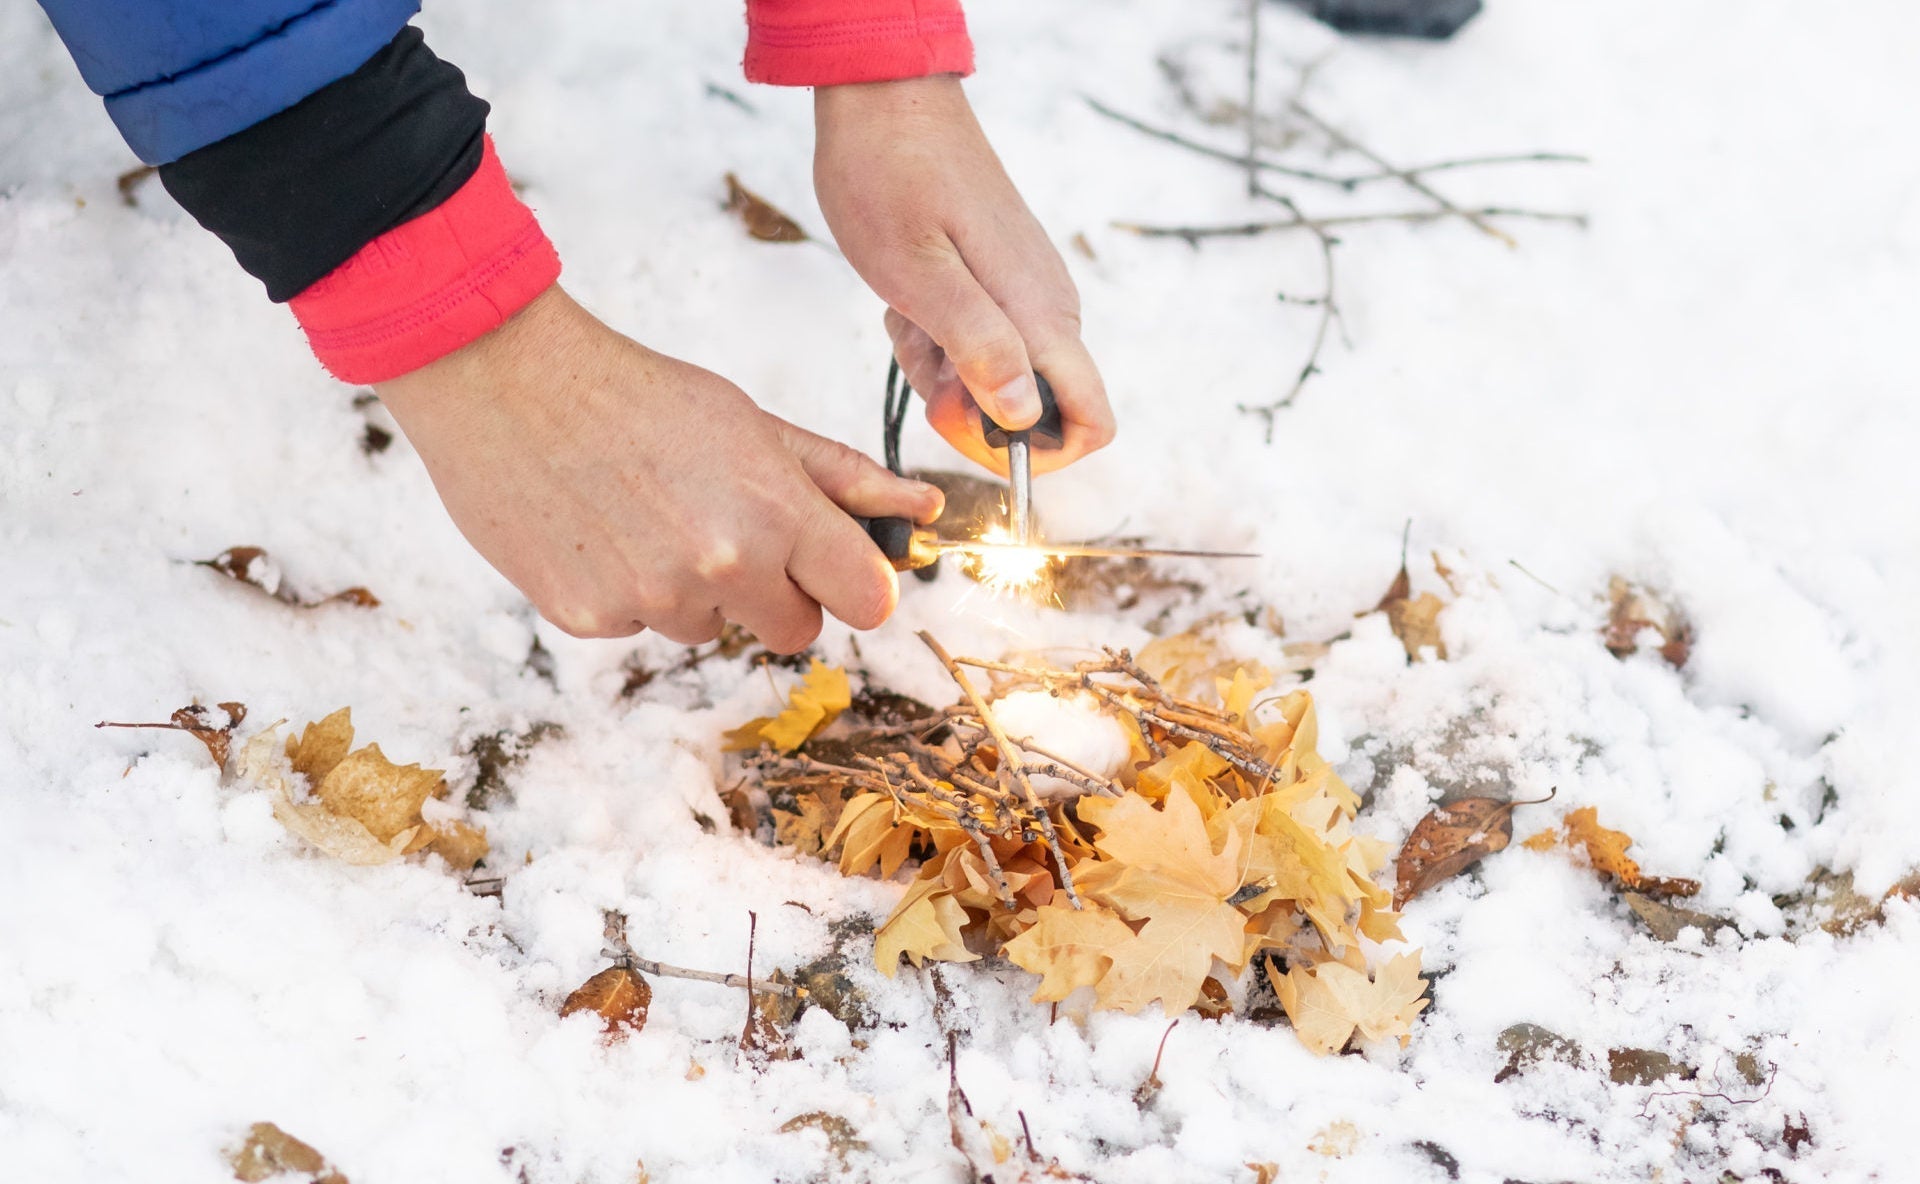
(977, 297)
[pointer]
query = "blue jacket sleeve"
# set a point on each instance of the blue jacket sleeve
(178, 75)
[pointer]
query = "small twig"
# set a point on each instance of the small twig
(1063, 762)
(1472, 162)
(1009, 764)
(1233, 158)
(1349, 181)
(1162, 1050)
(617, 949)
(1519, 567)
(1329, 313)
(1773, 1070)
(1194, 235)
(1340, 139)
(1080, 781)
(1253, 95)
(649, 966)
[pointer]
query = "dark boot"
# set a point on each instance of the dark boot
(1435, 20)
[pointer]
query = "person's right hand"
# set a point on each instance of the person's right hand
(622, 490)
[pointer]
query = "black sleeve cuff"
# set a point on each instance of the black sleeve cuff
(297, 194)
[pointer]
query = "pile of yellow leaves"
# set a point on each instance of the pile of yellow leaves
(362, 808)
(1185, 870)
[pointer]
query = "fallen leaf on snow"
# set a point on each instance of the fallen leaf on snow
(1415, 620)
(255, 568)
(842, 1140)
(1336, 1139)
(1449, 840)
(362, 808)
(1331, 1002)
(1607, 853)
(821, 696)
(761, 219)
(1665, 921)
(203, 724)
(1633, 609)
(1643, 1066)
(764, 1036)
(618, 995)
(268, 1151)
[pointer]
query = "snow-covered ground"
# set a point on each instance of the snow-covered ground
(1710, 390)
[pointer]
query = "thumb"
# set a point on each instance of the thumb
(943, 297)
(856, 482)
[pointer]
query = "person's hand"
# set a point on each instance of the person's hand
(620, 489)
(977, 297)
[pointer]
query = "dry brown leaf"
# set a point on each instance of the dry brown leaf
(1415, 620)
(1607, 853)
(255, 568)
(460, 843)
(1331, 1002)
(267, 1151)
(1633, 609)
(1264, 1172)
(842, 1140)
(618, 995)
(804, 827)
(761, 219)
(925, 924)
(363, 808)
(380, 795)
(1416, 623)
(346, 839)
(1665, 921)
(764, 1037)
(1449, 840)
(214, 731)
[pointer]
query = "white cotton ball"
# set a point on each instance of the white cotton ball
(1072, 727)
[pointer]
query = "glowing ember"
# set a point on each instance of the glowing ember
(1007, 568)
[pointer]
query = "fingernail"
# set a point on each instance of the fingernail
(1019, 400)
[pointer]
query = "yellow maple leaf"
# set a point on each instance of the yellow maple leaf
(1238, 694)
(1291, 862)
(925, 924)
(821, 696)
(1068, 948)
(1161, 868)
(1189, 767)
(874, 833)
(1333, 1001)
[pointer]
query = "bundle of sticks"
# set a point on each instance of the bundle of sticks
(958, 766)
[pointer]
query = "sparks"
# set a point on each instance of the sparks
(1007, 569)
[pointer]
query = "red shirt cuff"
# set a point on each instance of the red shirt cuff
(829, 42)
(431, 285)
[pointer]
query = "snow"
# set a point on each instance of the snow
(1708, 391)
(1071, 728)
